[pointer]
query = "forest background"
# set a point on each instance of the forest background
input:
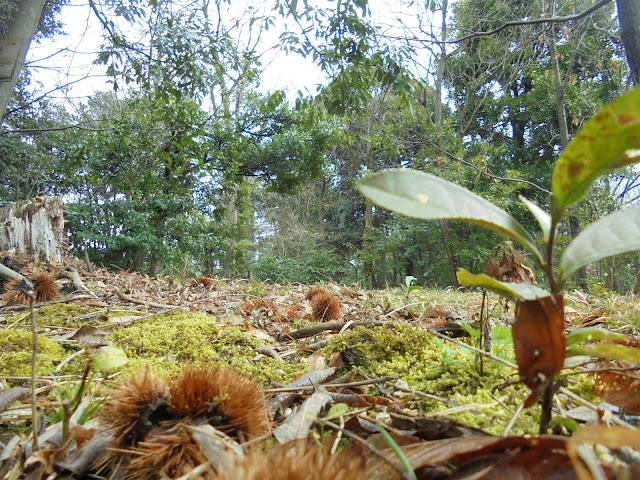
(188, 167)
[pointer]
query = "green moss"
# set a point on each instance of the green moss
(167, 342)
(439, 368)
(63, 315)
(15, 359)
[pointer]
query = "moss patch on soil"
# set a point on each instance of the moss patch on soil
(434, 366)
(16, 347)
(167, 342)
(66, 315)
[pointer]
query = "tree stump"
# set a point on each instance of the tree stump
(34, 228)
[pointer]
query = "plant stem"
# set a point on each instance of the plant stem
(34, 359)
(68, 411)
(549, 267)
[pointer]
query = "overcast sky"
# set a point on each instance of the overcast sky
(69, 59)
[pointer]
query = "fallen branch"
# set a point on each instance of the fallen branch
(311, 331)
(127, 298)
(78, 284)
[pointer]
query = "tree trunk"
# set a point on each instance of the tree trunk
(35, 228)
(440, 75)
(636, 286)
(574, 230)
(453, 262)
(13, 47)
(629, 18)
(367, 264)
(559, 89)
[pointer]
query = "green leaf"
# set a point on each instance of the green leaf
(395, 448)
(594, 334)
(607, 351)
(603, 144)
(513, 291)
(337, 411)
(109, 357)
(427, 197)
(543, 218)
(616, 233)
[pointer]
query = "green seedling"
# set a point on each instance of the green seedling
(609, 140)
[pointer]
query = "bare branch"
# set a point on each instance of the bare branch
(535, 21)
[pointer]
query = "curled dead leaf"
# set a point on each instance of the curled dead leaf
(539, 342)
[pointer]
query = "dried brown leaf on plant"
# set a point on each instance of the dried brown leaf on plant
(46, 289)
(511, 267)
(324, 306)
(539, 342)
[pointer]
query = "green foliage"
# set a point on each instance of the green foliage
(423, 196)
(602, 145)
(315, 265)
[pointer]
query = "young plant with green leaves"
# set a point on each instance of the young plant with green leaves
(609, 140)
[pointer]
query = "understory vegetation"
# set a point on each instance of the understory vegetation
(189, 167)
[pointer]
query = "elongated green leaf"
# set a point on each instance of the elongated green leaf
(603, 144)
(513, 291)
(595, 334)
(607, 351)
(543, 218)
(420, 195)
(616, 233)
(395, 448)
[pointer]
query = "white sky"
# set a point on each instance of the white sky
(69, 59)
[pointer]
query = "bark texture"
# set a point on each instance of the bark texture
(35, 228)
(13, 47)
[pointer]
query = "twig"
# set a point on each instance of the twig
(34, 361)
(68, 299)
(400, 308)
(311, 331)
(421, 394)
(513, 420)
(579, 399)
(127, 298)
(535, 21)
(371, 381)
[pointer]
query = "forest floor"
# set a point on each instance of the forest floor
(385, 376)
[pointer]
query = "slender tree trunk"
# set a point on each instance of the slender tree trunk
(559, 89)
(636, 286)
(574, 230)
(14, 47)
(629, 18)
(442, 58)
(367, 250)
(446, 239)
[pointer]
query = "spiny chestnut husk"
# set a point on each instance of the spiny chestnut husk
(222, 395)
(151, 420)
(323, 305)
(297, 461)
(46, 289)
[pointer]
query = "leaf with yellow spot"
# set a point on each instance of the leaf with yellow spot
(427, 197)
